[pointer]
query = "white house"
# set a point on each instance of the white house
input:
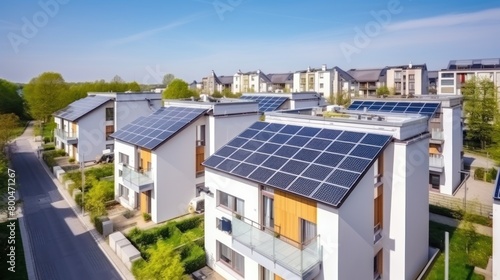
(84, 126)
(311, 196)
(496, 229)
(445, 127)
(158, 157)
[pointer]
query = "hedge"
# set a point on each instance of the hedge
(195, 259)
(97, 221)
(49, 156)
(187, 224)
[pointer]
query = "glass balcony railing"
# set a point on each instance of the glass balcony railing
(437, 134)
(139, 181)
(297, 258)
(436, 161)
(65, 135)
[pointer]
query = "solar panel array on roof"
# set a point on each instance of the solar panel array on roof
(321, 164)
(424, 108)
(266, 103)
(81, 107)
(149, 132)
(496, 195)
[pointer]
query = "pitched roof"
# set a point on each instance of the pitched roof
(284, 78)
(81, 107)
(366, 75)
(225, 80)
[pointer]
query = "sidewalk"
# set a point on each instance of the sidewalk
(85, 220)
(484, 230)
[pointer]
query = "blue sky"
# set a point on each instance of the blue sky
(143, 40)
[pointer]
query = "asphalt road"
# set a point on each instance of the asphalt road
(61, 246)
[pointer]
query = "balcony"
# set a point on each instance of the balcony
(289, 259)
(437, 136)
(436, 163)
(67, 137)
(137, 181)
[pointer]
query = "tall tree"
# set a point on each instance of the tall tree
(383, 90)
(167, 79)
(163, 263)
(178, 89)
(11, 101)
(9, 123)
(480, 108)
(45, 94)
(117, 79)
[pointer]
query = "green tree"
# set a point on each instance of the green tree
(45, 95)
(117, 79)
(167, 79)
(343, 98)
(178, 89)
(480, 108)
(96, 198)
(163, 263)
(383, 91)
(11, 101)
(217, 94)
(10, 122)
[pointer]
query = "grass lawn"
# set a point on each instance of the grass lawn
(461, 265)
(20, 265)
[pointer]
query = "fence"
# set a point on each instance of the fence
(474, 207)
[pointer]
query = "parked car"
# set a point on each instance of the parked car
(105, 158)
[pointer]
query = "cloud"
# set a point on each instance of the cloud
(153, 31)
(447, 20)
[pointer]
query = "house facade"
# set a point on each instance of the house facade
(310, 196)
(84, 127)
(158, 157)
(408, 79)
(445, 128)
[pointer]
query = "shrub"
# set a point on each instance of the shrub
(195, 259)
(71, 160)
(488, 177)
(49, 147)
(165, 231)
(79, 201)
(479, 173)
(46, 139)
(97, 221)
(187, 224)
(146, 217)
(493, 172)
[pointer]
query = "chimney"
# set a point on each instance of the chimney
(323, 67)
(308, 68)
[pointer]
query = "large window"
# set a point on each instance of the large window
(268, 207)
(110, 114)
(377, 265)
(123, 158)
(434, 180)
(308, 231)
(123, 192)
(109, 130)
(447, 75)
(230, 258)
(232, 203)
(411, 77)
(200, 135)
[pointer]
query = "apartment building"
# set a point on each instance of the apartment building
(407, 79)
(84, 127)
(326, 81)
(214, 83)
(269, 102)
(496, 229)
(433, 81)
(445, 128)
(254, 81)
(158, 157)
(458, 72)
(368, 80)
(309, 194)
(281, 82)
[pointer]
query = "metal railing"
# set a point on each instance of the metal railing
(299, 258)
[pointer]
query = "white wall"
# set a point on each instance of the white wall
(221, 129)
(128, 111)
(406, 199)
(92, 134)
(496, 240)
(304, 103)
(174, 172)
(243, 189)
(131, 151)
(453, 138)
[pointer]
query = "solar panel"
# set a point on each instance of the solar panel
(319, 163)
(496, 195)
(266, 103)
(149, 132)
(81, 107)
(424, 108)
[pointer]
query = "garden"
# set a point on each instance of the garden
(170, 250)
(467, 250)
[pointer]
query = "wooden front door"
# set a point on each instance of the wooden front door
(145, 202)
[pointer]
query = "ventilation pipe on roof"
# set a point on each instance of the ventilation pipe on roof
(323, 67)
(365, 110)
(410, 65)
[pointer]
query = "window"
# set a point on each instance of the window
(378, 207)
(110, 147)
(110, 114)
(377, 265)
(123, 192)
(411, 85)
(447, 82)
(411, 76)
(230, 258)
(321, 75)
(302, 80)
(268, 210)
(200, 135)
(446, 75)
(321, 85)
(120, 173)
(232, 203)
(398, 85)
(109, 130)
(307, 230)
(397, 75)
(434, 180)
(123, 158)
